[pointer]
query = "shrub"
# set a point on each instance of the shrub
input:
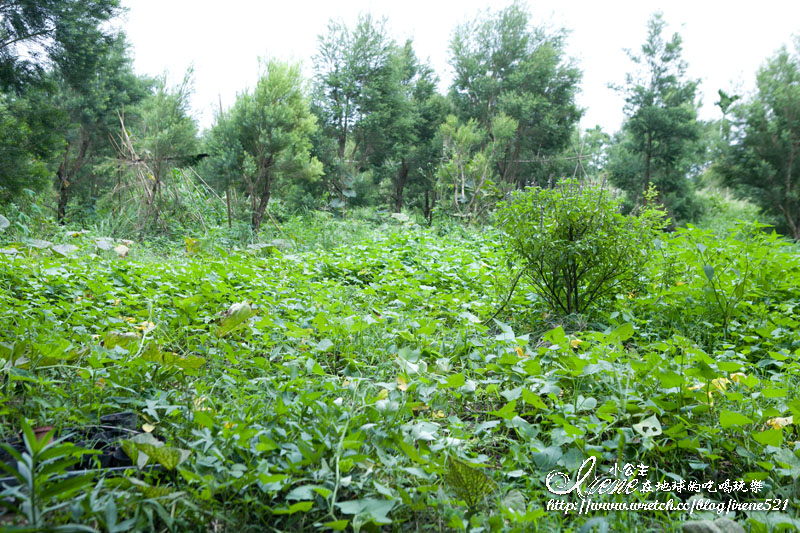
(574, 245)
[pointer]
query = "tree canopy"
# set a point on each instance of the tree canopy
(658, 142)
(763, 160)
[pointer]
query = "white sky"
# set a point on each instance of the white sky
(723, 42)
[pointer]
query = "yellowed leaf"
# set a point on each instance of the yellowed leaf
(519, 351)
(148, 428)
(121, 250)
(575, 343)
(146, 326)
(417, 409)
(402, 384)
(679, 283)
(778, 423)
(437, 414)
(721, 383)
(383, 394)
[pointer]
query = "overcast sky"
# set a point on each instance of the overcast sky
(723, 43)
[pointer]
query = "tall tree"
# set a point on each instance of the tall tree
(159, 135)
(764, 157)
(659, 140)
(39, 38)
(27, 141)
(504, 65)
(355, 82)
(91, 93)
(32, 31)
(415, 112)
(265, 137)
(467, 177)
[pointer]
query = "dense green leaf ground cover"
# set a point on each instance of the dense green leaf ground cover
(325, 386)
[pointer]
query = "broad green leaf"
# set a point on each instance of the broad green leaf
(709, 271)
(454, 381)
(372, 508)
(324, 345)
(337, 525)
(299, 507)
(203, 418)
(729, 419)
(771, 437)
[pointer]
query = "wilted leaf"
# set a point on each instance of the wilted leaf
(402, 384)
(649, 427)
(234, 316)
(121, 250)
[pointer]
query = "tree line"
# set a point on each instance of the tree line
(87, 137)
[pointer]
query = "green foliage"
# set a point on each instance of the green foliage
(322, 382)
(35, 31)
(575, 247)
(355, 94)
(265, 138)
(26, 144)
(44, 485)
(503, 65)
(91, 95)
(468, 183)
(762, 160)
(658, 143)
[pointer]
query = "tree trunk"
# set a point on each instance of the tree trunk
(66, 175)
(228, 202)
(263, 199)
(399, 186)
(648, 156)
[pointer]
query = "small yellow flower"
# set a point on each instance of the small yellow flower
(575, 343)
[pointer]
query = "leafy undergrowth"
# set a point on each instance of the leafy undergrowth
(358, 387)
